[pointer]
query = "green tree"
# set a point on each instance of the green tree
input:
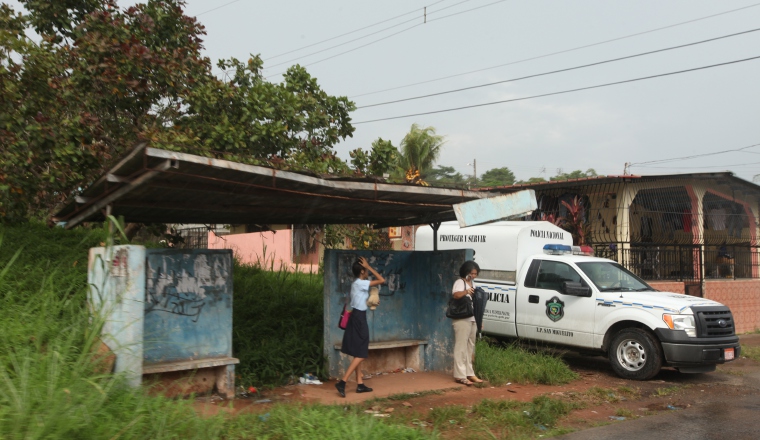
(532, 180)
(420, 148)
(381, 159)
(497, 177)
(445, 176)
(577, 174)
(101, 79)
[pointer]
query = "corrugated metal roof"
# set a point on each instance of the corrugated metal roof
(600, 180)
(157, 186)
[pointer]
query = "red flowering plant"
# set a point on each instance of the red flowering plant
(574, 222)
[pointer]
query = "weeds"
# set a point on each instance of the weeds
(662, 392)
(599, 394)
(49, 385)
(751, 352)
(521, 419)
(409, 396)
(500, 364)
(277, 325)
(629, 392)
(318, 421)
(622, 412)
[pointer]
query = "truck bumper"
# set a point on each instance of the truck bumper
(696, 354)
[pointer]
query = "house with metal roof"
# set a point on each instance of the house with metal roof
(689, 233)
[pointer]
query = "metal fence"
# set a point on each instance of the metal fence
(684, 262)
(193, 238)
(732, 262)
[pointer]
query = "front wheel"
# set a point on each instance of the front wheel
(635, 354)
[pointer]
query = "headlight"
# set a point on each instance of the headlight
(681, 322)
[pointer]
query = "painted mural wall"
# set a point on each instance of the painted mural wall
(188, 305)
(163, 308)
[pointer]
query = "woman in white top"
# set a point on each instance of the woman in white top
(465, 329)
(356, 336)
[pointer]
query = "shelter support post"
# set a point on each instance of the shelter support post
(435, 226)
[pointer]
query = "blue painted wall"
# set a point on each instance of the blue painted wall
(412, 302)
(188, 305)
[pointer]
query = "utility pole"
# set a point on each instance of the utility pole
(625, 168)
(474, 169)
(424, 12)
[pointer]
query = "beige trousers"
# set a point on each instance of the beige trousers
(464, 347)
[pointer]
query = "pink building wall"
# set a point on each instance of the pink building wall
(741, 296)
(270, 250)
(668, 286)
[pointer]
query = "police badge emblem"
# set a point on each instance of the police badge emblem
(555, 309)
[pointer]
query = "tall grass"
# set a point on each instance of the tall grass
(49, 381)
(502, 363)
(277, 325)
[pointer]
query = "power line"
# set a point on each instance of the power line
(354, 31)
(708, 166)
(356, 48)
(218, 7)
(661, 161)
(555, 71)
(348, 42)
(462, 12)
(351, 32)
(558, 93)
(369, 35)
(556, 53)
(388, 36)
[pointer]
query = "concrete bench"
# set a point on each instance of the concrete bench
(390, 355)
(392, 344)
(219, 370)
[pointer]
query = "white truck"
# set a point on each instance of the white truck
(542, 289)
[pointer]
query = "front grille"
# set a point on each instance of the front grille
(713, 321)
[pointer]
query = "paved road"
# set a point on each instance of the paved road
(729, 418)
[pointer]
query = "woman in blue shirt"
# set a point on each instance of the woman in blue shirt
(356, 338)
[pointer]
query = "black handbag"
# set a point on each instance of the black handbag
(460, 308)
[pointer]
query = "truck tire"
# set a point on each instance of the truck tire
(635, 354)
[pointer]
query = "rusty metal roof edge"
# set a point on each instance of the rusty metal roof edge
(99, 203)
(316, 181)
(93, 190)
(620, 178)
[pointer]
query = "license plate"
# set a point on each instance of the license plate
(728, 354)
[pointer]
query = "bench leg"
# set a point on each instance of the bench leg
(415, 357)
(225, 381)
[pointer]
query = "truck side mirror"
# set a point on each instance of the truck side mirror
(576, 289)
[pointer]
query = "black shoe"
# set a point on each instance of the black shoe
(341, 386)
(361, 388)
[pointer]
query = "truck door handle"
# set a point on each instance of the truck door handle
(533, 299)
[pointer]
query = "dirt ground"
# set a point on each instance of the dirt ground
(670, 390)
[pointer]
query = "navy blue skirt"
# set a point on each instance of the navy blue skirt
(356, 336)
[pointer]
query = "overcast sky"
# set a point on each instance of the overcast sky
(687, 114)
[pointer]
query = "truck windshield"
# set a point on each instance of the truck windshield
(608, 276)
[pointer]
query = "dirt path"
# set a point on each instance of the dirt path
(607, 398)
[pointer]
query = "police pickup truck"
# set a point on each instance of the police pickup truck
(541, 288)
